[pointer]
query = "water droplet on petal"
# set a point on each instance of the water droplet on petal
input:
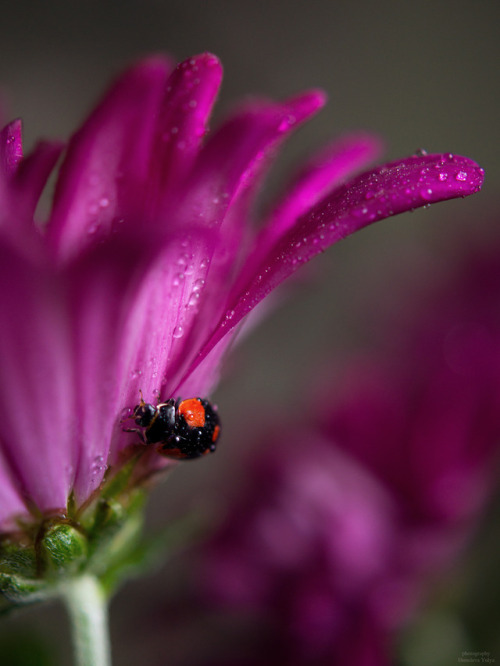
(461, 175)
(193, 299)
(198, 284)
(126, 413)
(286, 123)
(426, 194)
(98, 465)
(178, 278)
(443, 176)
(178, 332)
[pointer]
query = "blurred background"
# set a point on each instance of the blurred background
(422, 76)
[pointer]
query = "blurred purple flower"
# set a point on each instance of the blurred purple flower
(148, 261)
(376, 489)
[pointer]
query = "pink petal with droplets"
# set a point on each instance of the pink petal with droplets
(182, 122)
(385, 191)
(11, 504)
(105, 172)
(36, 373)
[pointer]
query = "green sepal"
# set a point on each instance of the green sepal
(104, 539)
(17, 559)
(17, 590)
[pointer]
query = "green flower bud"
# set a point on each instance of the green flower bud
(62, 549)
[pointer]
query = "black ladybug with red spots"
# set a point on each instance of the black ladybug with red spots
(182, 429)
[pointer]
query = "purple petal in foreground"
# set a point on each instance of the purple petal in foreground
(36, 368)
(11, 147)
(182, 121)
(385, 191)
(106, 168)
(323, 173)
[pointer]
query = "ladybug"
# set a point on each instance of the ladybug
(182, 429)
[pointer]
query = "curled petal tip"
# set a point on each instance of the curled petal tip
(204, 60)
(308, 102)
(456, 175)
(11, 145)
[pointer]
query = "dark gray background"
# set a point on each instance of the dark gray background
(423, 75)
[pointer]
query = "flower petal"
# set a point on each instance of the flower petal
(11, 504)
(324, 172)
(159, 312)
(37, 375)
(33, 172)
(222, 186)
(98, 310)
(385, 191)
(182, 123)
(105, 171)
(11, 151)
(234, 156)
(11, 148)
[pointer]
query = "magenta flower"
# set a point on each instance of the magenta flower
(345, 519)
(148, 260)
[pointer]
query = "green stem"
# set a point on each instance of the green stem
(87, 608)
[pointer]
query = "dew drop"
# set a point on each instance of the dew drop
(443, 176)
(194, 299)
(98, 465)
(178, 332)
(126, 413)
(426, 194)
(461, 175)
(286, 123)
(198, 285)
